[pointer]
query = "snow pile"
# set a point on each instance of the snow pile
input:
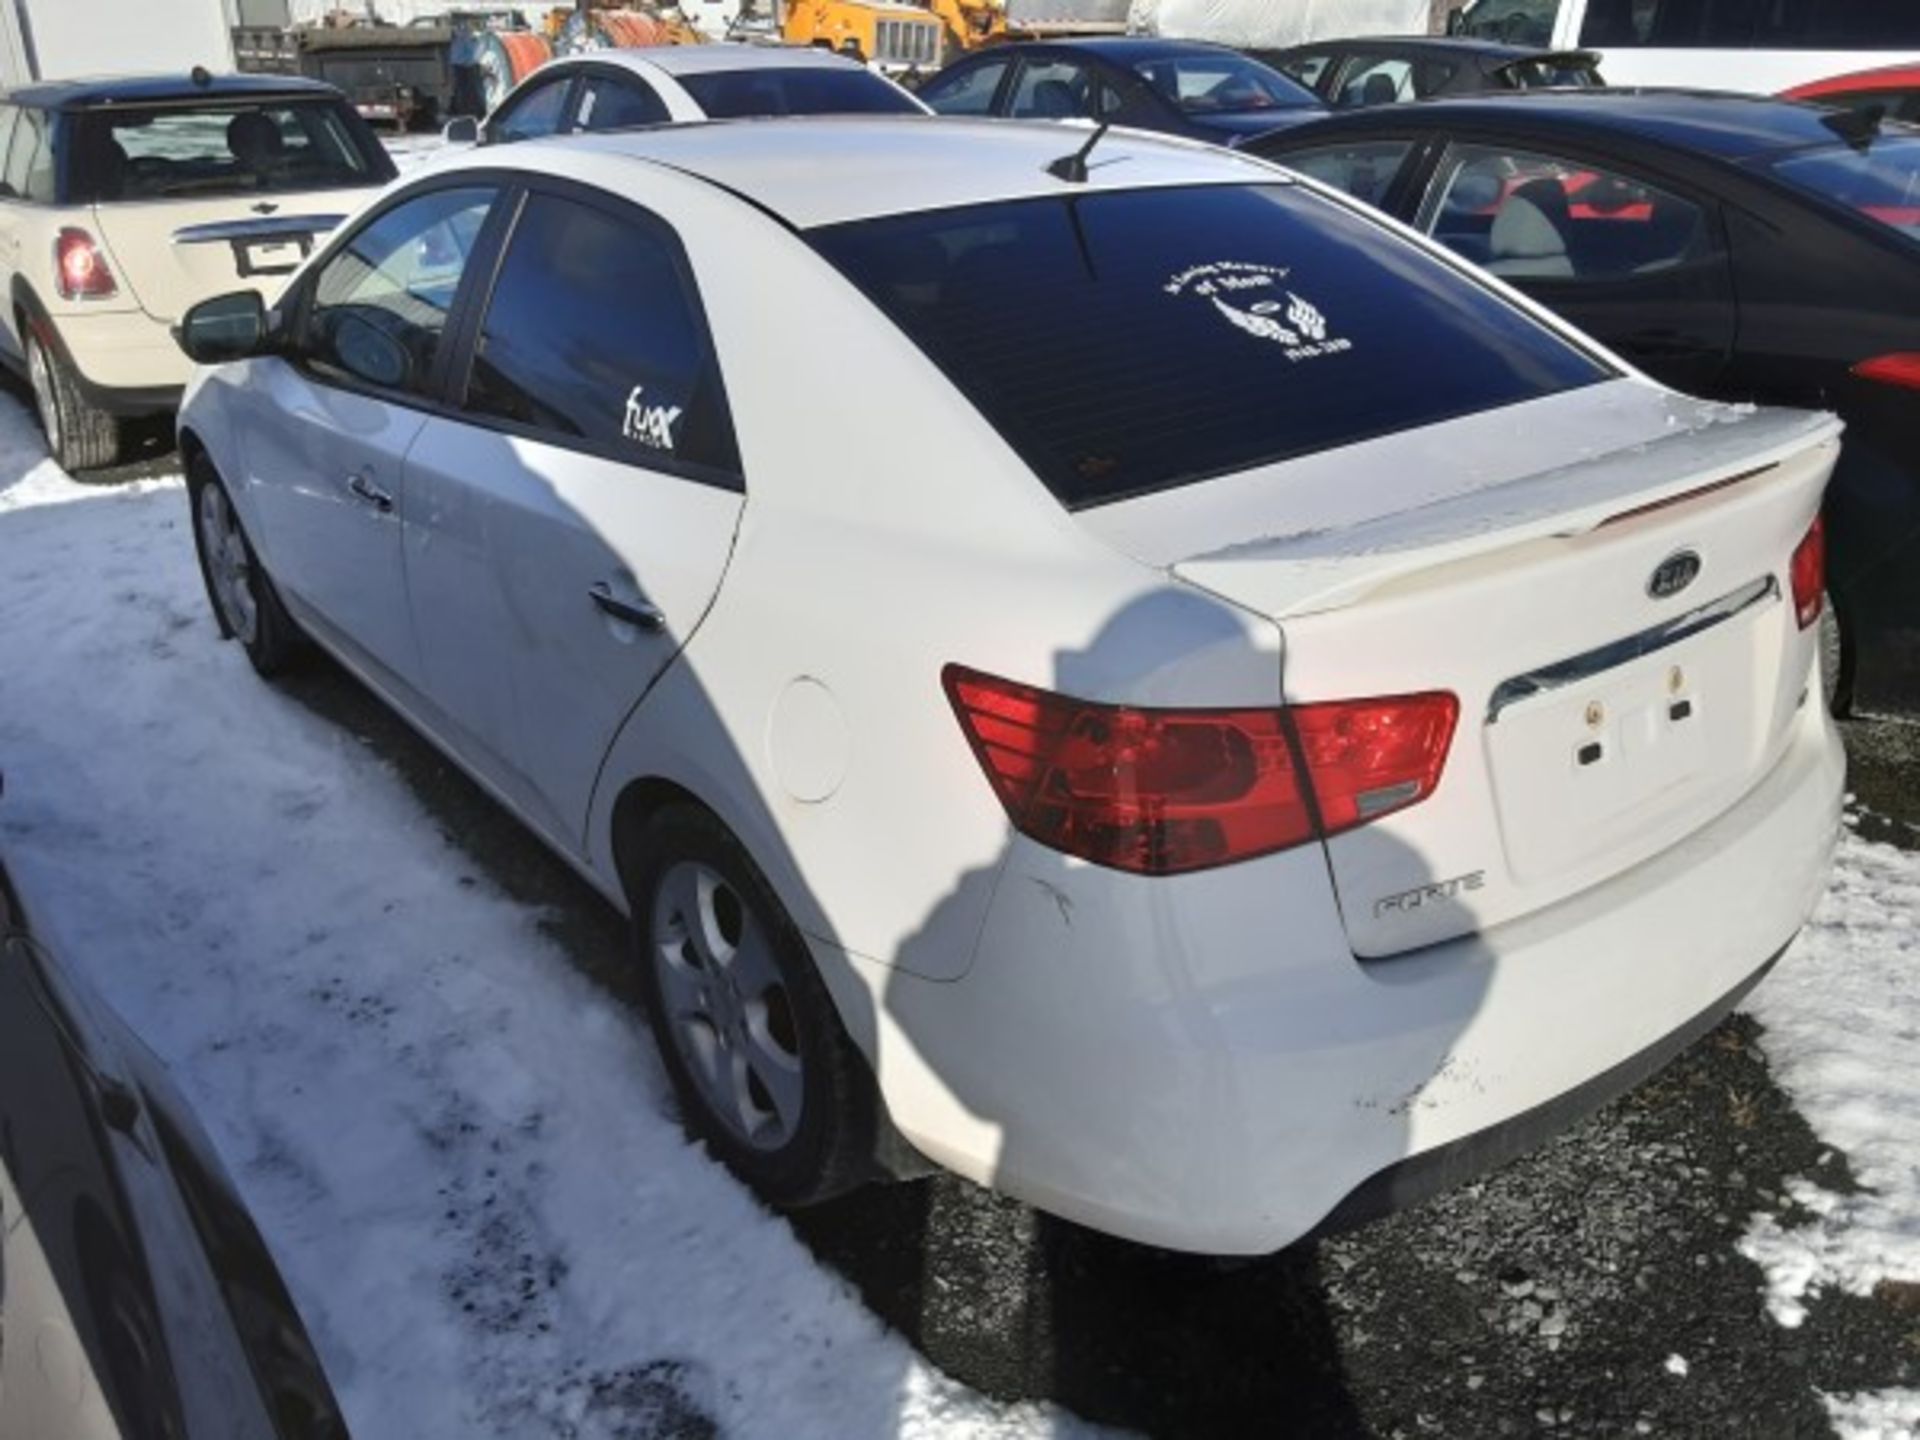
(459, 1149)
(1842, 1018)
(1893, 1415)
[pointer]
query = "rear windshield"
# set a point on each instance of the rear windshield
(1223, 84)
(150, 152)
(1549, 72)
(1139, 340)
(739, 94)
(1881, 182)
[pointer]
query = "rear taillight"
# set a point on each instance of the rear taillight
(1158, 792)
(1898, 369)
(80, 269)
(1808, 571)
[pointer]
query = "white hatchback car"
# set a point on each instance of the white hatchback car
(679, 84)
(124, 201)
(1128, 671)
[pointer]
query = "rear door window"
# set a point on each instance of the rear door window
(1527, 215)
(1132, 341)
(607, 103)
(1052, 90)
(968, 90)
(594, 338)
(1387, 79)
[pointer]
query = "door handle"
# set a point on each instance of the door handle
(634, 612)
(362, 488)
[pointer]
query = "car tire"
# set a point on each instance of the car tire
(765, 1073)
(80, 435)
(1836, 673)
(245, 604)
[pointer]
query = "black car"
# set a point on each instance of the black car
(1739, 248)
(1387, 69)
(1178, 87)
(136, 1297)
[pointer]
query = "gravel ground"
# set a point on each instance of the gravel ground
(1590, 1289)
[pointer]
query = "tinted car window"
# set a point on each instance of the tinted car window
(141, 152)
(1133, 341)
(967, 90)
(1309, 70)
(1882, 183)
(9, 117)
(1383, 80)
(380, 303)
(1206, 83)
(837, 90)
(541, 111)
(1052, 90)
(1761, 24)
(1364, 169)
(610, 104)
(593, 335)
(1517, 22)
(1527, 215)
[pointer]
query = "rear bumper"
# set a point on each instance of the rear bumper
(127, 362)
(1201, 1063)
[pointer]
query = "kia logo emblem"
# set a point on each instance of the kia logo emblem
(1673, 574)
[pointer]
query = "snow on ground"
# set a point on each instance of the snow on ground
(459, 1150)
(1891, 1415)
(1842, 1018)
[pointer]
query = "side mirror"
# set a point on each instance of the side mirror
(461, 130)
(227, 327)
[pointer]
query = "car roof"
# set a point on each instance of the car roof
(877, 166)
(146, 89)
(1728, 127)
(709, 59)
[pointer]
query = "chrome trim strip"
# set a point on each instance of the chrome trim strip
(1563, 673)
(278, 227)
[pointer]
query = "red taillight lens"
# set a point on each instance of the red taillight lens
(1898, 369)
(1369, 758)
(80, 270)
(1158, 792)
(1808, 570)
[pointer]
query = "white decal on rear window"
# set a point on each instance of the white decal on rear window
(1245, 295)
(651, 425)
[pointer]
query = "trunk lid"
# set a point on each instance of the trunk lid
(172, 254)
(1509, 558)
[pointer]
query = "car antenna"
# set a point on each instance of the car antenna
(1859, 127)
(201, 77)
(1073, 168)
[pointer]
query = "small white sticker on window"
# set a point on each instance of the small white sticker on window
(651, 425)
(1247, 296)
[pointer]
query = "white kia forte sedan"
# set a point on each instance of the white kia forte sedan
(1120, 673)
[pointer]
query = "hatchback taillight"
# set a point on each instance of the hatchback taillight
(1159, 792)
(80, 269)
(1897, 369)
(1808, 571)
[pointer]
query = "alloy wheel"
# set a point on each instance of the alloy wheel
(727, 1005)
(228, 565)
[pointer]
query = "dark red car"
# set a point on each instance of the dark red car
(1897, 87)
